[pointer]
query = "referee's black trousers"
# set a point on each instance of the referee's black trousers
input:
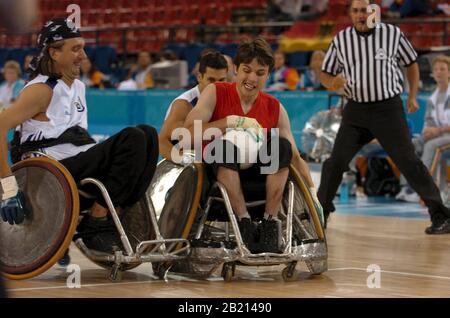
(386, 121)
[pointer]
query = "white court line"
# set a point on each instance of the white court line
(156, 281)
(82, 285)
(391, 272)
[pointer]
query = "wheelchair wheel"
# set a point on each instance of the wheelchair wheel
(181, 202)
(306, 224)
(34, 246)
(176, 191)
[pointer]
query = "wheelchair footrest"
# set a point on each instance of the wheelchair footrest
(213, 244)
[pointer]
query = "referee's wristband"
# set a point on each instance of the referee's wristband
(9, 187)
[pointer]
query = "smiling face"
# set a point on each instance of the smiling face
(359, 15)
(70, 56)
(251, 78)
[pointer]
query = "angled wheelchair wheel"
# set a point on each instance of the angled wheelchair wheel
(306, 224)
(180, 190)
(176, 191)
(34, 246)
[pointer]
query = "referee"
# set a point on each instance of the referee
(372, 80)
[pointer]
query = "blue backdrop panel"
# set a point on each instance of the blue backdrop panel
(111, 110)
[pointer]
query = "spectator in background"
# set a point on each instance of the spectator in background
(90, 76)
(282, 78)
(385, 4)
(168, 55)
(312, 9)
(310, 79)
(284, 10)
(129, 84)
(408, 8)
(141, 71)
(12, 85)
(436, 131)
(297, 9)
(231, 76)
(441, 8)
(26, 65)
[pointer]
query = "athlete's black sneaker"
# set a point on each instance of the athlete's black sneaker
(99, 234)
(269, 232)
(247, 229)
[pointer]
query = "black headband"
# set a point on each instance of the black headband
(53, 31)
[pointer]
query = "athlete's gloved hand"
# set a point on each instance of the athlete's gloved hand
(247, 123)
(234, 121)
(13, 207)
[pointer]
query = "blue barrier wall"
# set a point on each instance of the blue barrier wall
(111, 110)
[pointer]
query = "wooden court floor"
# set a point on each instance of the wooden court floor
(411, 264)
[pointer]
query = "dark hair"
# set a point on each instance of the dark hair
(213, 60)
(46, 64)
(169, 55)
(350, 2)
(257, 48)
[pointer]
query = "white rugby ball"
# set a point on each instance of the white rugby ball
(246, 143)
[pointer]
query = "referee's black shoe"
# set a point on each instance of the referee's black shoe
(326, 216)
(441, 226)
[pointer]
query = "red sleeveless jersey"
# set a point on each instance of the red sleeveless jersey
(265, 109)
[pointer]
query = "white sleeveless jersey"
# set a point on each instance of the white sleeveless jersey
(191, 96)
(67, 109)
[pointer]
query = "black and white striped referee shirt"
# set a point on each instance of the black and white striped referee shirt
(370, 62)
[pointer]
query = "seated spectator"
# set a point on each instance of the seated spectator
(312, 9)
(310, 79)
(284, 10)
(90, 76)
(408, 8)
(129, 84)
(26, 65)
(141, 71)
(297, 9)
(13, 84)
(442, 8)
(231, 76)
(168, 55)
(385, 4)
(436, 131)
(282, 78)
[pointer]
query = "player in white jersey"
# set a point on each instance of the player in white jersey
(213, 67)
(16, 15)
(51, 116)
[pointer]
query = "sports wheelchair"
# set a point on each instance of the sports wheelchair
(190, 205)
(34, 246)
